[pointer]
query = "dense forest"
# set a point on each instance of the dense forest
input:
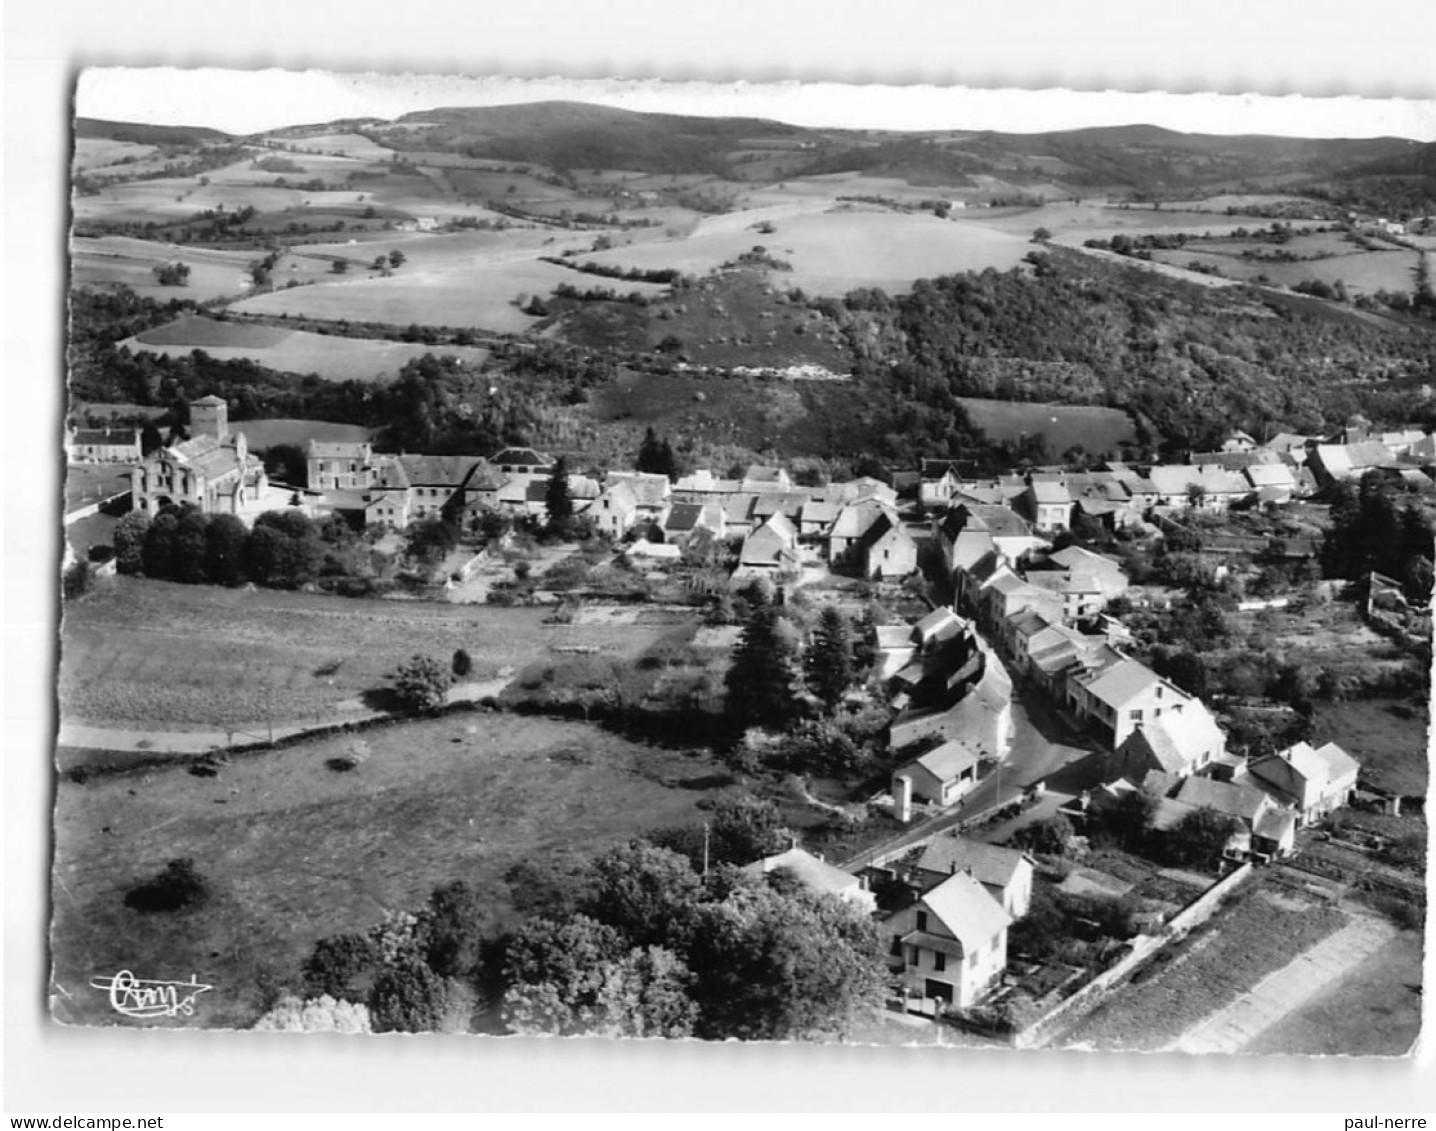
(1187, 362)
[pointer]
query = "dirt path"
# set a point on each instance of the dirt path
(205, 741)
(1232, 1028)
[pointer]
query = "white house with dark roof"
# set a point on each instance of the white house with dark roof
(1315, 780)
(522, 462)
(943, 776)
(770, 548)
(887, 550)
(615, 510)
(952, 943)
(1048, 504)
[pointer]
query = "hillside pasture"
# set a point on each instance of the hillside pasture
(1388, 737)
(1097, 430)
(833, 252)
(342, 144)
(292, 351)
(93, 153)
(141, 653)
(295, 852)
(449, 289)
(110, 261)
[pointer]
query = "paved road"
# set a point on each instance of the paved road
(1232, 1028)
(205, 741)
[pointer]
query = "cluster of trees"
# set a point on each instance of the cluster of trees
(1184, 360)
(172, 274)
(656, 457)
(663, 275)
(283, 550)
(1375, 525)
(639, 944)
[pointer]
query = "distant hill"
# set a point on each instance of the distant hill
(579, 135)
(142, 134)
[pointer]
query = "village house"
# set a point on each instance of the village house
(886, 550)
(772, 548)
(212, 471)
(817, 875)
(683, 521)
(1334, 463)
(1115, 701)
(1006, 873)
(340, 465)
(1316, 781)
(1047, 504)
(615, 510)
(981, 717)
(522, 463)
(103, 445)
(1181, 741)
(952, 943)
(702, 486)
(1263, 828)
(852, 522)
(408, 488)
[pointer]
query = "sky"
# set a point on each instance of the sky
(250, 101)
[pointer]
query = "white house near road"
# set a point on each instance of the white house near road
(951, 943)
(818, 875)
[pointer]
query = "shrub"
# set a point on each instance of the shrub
(463, 663)
(421, 684)
(180, 885)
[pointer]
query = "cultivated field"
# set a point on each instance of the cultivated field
(1389, 269)
(1255, 935)
(296, 851)
(112, 260)
(291, 351)
(89, 483)
(1096, 429)
(140, 653)
(1373, 1011)
(833, 252)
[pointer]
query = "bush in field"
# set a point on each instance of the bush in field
(421, 684)
(407, 997)
(462, 664)
(76, 581)
(180, 885)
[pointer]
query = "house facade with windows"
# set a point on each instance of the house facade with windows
(951, 945)
(103, 445)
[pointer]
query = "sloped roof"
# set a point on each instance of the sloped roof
(211, 401)
(854, 518)
(813, 872)
(940, 624)
(967, 910)
(986, 863)
(649, 489)
(1275, 824)
(107, 436)
(1225, 797)
(1271, 475)
(1235, 461)
(772, 543)
(1175, 478)
(1124, 682)
(682, 517)
(339, 449)
(949, 760)
(438, 471)
(971, 546)
(521, 457)
(1075, 556)
(1050, 493)
(1177, 739)
(999, 521)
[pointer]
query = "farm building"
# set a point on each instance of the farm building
(103, 445)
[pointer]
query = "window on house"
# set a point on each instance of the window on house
(922, 920)
(939, 961)
(896, 949)
(1135, 716)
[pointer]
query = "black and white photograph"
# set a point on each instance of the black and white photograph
(542, 566)
(914, 570)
